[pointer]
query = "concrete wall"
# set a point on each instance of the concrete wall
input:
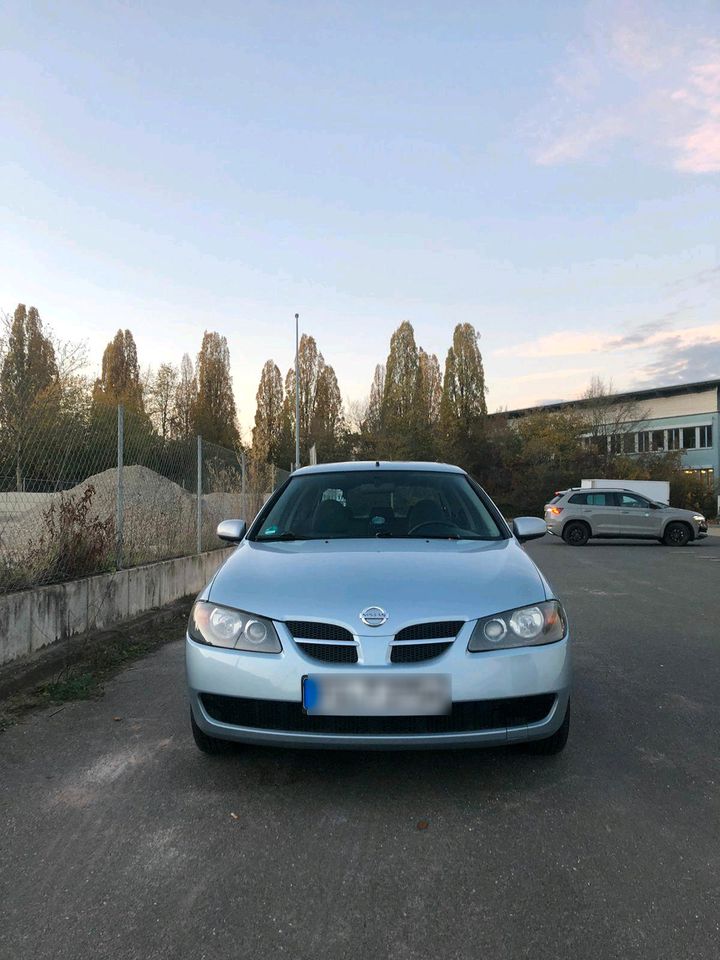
(32, 619)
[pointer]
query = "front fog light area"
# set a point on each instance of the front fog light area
(524, 627)
(220, 626)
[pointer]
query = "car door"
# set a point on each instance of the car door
(637, 517)
(599, 509)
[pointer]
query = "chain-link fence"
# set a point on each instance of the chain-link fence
(88, 497)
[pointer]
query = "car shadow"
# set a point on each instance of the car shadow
(405, 777)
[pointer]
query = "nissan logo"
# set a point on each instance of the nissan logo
(373, 616)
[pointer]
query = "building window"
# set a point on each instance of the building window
(705, 436)
(644, 441)
(658, 440)
(628, 443)
(674, 439)
(689, 441)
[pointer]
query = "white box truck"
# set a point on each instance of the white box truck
(658, 490)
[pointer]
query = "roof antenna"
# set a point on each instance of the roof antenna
(377, 463)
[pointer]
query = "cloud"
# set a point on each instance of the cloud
(637, 79)
(564, 343)
(683, 363)
(655, 335)
(699, 149)
(645, 332)
(707, 277)
(564, 373)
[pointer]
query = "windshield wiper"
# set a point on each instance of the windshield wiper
(383, 533)
(282, 537)
(434, 536)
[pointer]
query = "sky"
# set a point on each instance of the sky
(547, 171)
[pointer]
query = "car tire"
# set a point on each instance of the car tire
(555, 743)
(676, 534)
(576, 533)
(206, 743)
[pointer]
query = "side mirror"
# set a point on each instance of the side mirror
(232, 531)
(528, 528)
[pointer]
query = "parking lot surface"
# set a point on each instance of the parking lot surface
(119, 840)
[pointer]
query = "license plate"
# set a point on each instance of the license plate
(372, 696)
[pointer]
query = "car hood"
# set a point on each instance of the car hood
(676, 513)
(412, 580)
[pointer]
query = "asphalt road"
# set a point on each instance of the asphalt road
(119, 840)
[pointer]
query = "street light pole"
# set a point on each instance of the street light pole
(297, 393)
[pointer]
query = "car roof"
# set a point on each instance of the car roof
(605, 490)
(373, 465)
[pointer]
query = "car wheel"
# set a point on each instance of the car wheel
(206, 743)
(555, 743)
(576, 533)
(676, 535)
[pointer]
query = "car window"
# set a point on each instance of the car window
(633, 501)
(378, 503)
(595, 499)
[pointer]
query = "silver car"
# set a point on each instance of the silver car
(379, 605)
(578, 514)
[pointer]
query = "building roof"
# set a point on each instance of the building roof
(675, 389)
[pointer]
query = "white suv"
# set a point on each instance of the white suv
(576, 515)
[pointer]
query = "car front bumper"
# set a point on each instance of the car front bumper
(247, 688)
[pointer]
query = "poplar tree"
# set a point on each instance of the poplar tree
(327, 422)
(183, 415)
(426, 409)
(215, 414)
(397, 412)
(28, 382)
(463, 406)
(119, 380)
(321, 417)
(266, 434)
(372, 423)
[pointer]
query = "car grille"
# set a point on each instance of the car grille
(465, 716)
(416, 652)
(330, 652)
(404, 650)
(447, 629)
(338, 644)
(309, 630)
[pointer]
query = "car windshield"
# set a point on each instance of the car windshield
(363, 504)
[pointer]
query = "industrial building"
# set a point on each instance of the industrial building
(683, 417)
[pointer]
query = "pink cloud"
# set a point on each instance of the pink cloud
(582, 140)
(567, 343)
(700, 150)
(631, 78)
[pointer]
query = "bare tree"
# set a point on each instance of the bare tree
(610, 420)
(160, 390)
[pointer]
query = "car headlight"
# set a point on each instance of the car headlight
(525, 627)
(699, 518)
(233, 629)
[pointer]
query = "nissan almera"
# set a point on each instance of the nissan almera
(379, 605)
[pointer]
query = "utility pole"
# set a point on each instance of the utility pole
(297, 392)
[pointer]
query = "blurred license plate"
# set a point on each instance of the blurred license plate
(344, 696)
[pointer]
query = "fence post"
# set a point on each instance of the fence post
(120, 492)
(199, 494)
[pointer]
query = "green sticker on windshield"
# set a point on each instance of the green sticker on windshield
(269, 531)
